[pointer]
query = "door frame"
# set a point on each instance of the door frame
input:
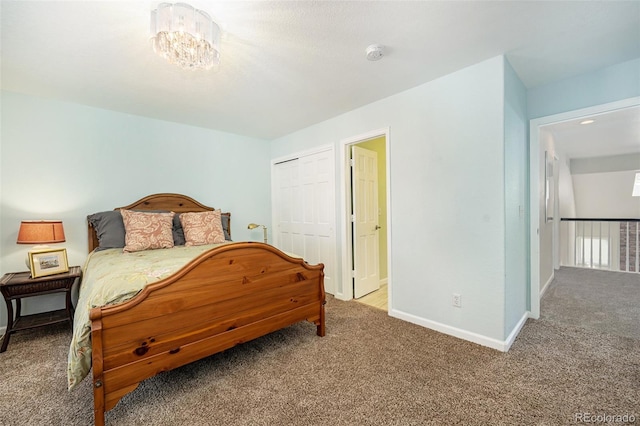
(345, 215)
(534, 186)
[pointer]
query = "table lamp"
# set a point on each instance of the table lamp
(264, 229)
(40, 233)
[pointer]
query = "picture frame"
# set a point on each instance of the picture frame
(48, 262)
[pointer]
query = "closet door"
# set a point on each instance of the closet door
(304, 210)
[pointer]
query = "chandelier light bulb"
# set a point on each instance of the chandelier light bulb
(185, 36)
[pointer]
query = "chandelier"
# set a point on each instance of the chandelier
(185, 36)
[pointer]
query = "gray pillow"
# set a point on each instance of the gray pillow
(225, 226)
(109, 229)
(178, 232)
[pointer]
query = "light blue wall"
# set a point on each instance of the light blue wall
(455, 153)
(614, 83)
(65, 161)
(447, 195)
(516, 186)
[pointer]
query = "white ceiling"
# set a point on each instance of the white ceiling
(610, 134)
(286, 65)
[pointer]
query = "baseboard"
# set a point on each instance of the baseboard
(516, 330)
(3, 330)
(489, 342)
(547, 284)
(346, 297)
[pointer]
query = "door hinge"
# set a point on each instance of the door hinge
(353, 273)
(353, 218)
(352, 162)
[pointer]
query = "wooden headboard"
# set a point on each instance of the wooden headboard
(177, 203)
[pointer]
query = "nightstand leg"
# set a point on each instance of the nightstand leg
(70, 310)
(5, 340)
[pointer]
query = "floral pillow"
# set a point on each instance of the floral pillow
(146, 231)
(202, 228)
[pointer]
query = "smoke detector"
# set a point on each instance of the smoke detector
(375, 52)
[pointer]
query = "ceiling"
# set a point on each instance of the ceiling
(610, 134)
(286, 65)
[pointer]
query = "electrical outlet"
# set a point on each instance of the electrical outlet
(457, 300)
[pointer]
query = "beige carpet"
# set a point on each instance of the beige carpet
(370, 369)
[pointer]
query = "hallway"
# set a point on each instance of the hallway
(602, 301)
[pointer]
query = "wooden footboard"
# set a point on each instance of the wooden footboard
(226, 296)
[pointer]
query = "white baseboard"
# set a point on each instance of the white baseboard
(547, 284)
(501, 345)
(345, 296)
(516, 330)
(3, 330)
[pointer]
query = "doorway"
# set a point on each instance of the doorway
(541, 244)
(374, 142)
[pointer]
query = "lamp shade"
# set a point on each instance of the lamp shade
(41, 232)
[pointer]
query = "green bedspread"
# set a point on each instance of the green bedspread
(110, 277)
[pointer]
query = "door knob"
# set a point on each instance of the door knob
(378, 227)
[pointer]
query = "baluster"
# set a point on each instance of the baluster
(599, 245)
(591, 243)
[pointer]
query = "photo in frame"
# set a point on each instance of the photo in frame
(48, 262)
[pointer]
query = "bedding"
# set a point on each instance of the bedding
(108, 279)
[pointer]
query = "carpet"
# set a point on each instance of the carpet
(370, 369)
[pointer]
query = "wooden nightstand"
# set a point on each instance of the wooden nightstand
(18, 285)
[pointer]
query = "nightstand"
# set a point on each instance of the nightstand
(18, 285)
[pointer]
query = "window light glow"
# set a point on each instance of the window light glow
(636, 186)
(587, 121)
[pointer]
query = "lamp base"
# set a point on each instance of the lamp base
(27, 260)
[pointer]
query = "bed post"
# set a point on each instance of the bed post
(97, 365)
(321, 330)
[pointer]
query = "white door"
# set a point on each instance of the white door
(304, 210)
(365, 227)
(286, 205)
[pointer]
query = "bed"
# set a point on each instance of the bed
(228, 294)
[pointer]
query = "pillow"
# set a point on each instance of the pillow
(178, 232)
(147, 231)
(202, 228)
(225, 226)
(109, 228)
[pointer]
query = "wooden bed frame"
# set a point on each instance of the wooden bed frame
(226, 296)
